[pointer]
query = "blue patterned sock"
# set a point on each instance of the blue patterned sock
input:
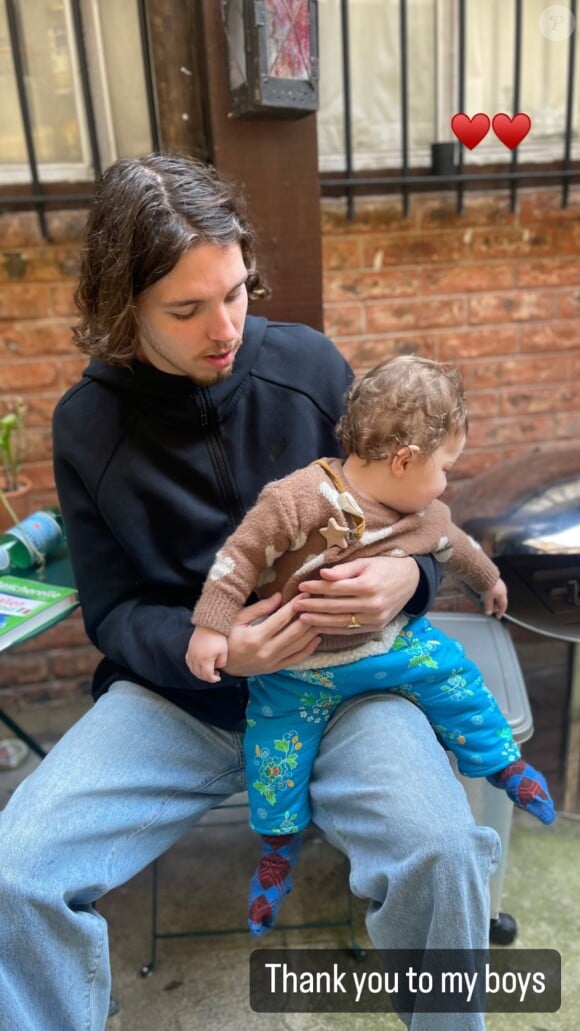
(527, 789)
(271, 881)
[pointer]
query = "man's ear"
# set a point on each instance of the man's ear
(402, 459)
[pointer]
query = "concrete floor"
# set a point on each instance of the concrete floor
(203, 982)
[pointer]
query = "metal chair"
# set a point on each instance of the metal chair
(157, 934)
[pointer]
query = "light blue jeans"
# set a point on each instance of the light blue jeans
(135, 773)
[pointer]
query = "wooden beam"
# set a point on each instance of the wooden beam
(175, 35)
(276, 163)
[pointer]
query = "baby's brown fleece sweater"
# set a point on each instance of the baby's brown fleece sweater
(313, 518)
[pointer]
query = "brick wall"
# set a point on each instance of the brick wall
(38, 362)
(496, 292)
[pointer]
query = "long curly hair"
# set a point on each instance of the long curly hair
(407, 400)
(146, 214)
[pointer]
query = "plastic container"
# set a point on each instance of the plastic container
(22, 546)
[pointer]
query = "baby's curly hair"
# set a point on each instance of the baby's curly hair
(406, 400)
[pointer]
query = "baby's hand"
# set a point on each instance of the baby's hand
(495, 600)
(206, 653)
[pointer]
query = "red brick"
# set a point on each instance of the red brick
(569, 238)
(397, 315)
(341, 252)
(463, 278)
(551, 336)
(569, 303)
(542, 399)
(488, 209)
(39, 264)
(67, 226)
(343, 320)
(525, 306)
(71, 370)
(61, 300)
(73, 662)
(372, 215)
(23, 376)
(22, 669)
(548, 272)
(415, 248)
(482, 404)
(545, 204)
(19, 229)
(514, 241)
(510, 431)
(51, 693)
(568, 426)
(363, 286)
(517, 370)
(477, 342)
(365, 353)
(28, 338)
(24, 301)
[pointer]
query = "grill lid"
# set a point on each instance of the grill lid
(546, 524)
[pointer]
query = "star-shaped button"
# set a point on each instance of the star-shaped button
(335, 535)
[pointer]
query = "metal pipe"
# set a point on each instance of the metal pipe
(404, 103)
(569, 105)
(148, 73)
(347, 103)
(15, 45)
(517, 82)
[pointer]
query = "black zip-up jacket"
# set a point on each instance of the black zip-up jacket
(154, 472)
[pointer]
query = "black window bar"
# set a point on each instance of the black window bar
(414, 179)
(37, 196)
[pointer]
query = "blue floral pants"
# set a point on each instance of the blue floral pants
(289, 710)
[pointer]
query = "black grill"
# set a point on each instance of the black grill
(533, 535)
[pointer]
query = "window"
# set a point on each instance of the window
(433, 79)
(52, 79)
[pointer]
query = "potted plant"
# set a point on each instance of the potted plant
(14, 486)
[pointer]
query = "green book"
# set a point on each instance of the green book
(28, 606)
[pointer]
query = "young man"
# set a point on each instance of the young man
(187, 409)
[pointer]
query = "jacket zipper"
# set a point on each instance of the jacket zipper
(228, 485)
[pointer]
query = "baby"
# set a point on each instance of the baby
(404, 427)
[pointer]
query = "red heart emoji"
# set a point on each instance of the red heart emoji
(511, 131)
(470, 131)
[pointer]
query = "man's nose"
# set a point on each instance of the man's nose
(221, 326)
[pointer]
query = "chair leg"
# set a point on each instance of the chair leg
(149, 967)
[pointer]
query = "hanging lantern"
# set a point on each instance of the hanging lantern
(272, 51)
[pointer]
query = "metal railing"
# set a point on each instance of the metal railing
(36, 196)
(347, 184)
(408, 179)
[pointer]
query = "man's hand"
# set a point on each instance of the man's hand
(277, 640)
(206, 653)
(374, 590)
(495, 600)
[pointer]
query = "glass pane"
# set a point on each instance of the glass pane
(11, 134)
(432, 80)
(48, 74)
(375, 72)
(288, 34)
(235, 32)
(124, 77)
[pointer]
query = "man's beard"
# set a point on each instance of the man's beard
(219, 375)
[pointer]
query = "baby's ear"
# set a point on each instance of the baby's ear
(403, 458)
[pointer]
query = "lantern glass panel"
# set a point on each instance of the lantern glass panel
(235, 32)
(288, 39)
